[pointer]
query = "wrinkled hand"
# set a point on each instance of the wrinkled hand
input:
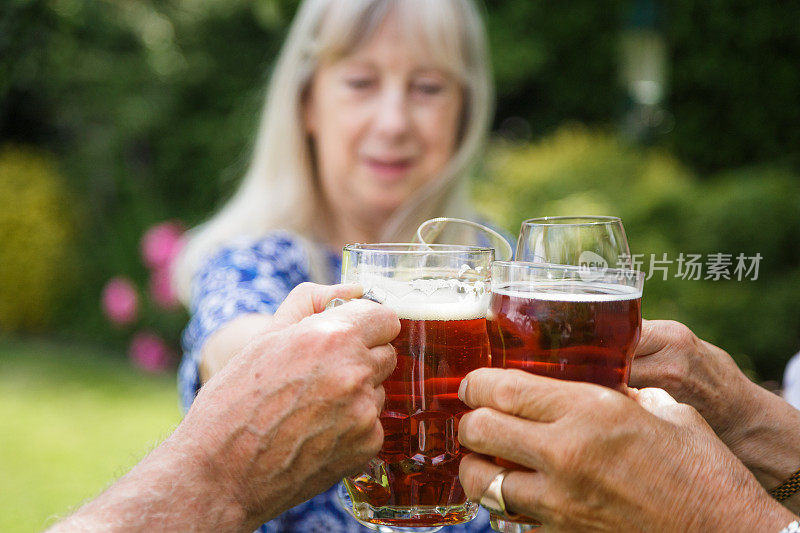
(669, 356)
(599, 460)
(230, 339)
(309, 298)
(758, 426)
(298, 408)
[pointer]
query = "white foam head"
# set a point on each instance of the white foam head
(464, 310)
(433, 299)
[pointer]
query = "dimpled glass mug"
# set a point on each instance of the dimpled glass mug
(441, 295)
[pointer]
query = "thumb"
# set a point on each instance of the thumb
(310, 298)
(659, 403)
(652, 399)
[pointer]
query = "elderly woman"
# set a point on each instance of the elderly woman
(375, 112)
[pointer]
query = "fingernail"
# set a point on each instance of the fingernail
(462, 389)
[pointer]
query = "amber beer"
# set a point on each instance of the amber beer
(572, 331)
(441, 295)
(566, 323)
(421, 453)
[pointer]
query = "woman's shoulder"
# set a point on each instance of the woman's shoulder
(277, 246)
(279, 254)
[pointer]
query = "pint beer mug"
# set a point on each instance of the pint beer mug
(563, 322)
(441, 294)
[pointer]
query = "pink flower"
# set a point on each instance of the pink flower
(149, 352)
(120, 301)
(161, 244)
(160, 288)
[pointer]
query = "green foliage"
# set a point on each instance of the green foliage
(734, 81)
(555, 60)
(36, 232)
(150, 108)
(666, 209)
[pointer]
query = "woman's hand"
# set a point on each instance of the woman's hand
(758, 426)
(599, 460)
(298, 408)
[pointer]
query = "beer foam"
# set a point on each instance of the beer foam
(431, 299)
(566, 291)
(463, 310)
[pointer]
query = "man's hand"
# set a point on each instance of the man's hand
(598, 460)
(758, 426)
(292, 413)
(304, 300)
(298, 408)
(309, 298)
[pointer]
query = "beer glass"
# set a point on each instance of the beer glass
(588, 241)
(564, 322)
(441, 294)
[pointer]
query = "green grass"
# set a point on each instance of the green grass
(72, 420)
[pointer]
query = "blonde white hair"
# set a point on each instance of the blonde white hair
(279, 189)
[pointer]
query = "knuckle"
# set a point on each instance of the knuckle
(385, 354)
(383, 313)
(303, 290)
(681, 336)
(374, 442)
(380, 396)
(350, 380)
(686, 414)
(611, 401)
(305, 287)
(675, 372)
(510, 396)
(337, 334)
(469, 479)
(365, 415)
(474, 429)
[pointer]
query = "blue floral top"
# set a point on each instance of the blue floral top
(254, 276)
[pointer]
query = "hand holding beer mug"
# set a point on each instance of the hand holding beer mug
(563, 322)
(441, 294)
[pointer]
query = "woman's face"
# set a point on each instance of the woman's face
(384, 123)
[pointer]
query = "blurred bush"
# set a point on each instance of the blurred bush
(667, 209)
(36, 239)
(734, 81)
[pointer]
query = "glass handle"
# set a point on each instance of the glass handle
(431, 231)
(368, 295)
(336, 302)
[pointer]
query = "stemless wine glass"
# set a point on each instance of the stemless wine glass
(441, 294)
(447, 230)
(589, 241)
(566, 322)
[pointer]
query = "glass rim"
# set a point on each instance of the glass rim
(590, 220)
(415, 248)
(528, 265)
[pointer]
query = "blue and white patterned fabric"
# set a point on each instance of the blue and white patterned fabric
(254, 276)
